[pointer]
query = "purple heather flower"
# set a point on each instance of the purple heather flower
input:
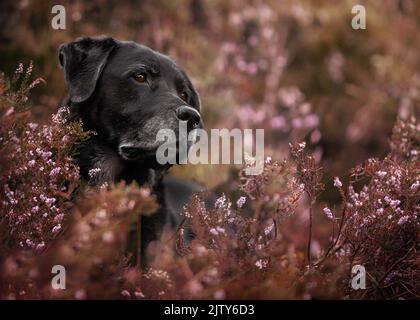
(415, 186)
(93, 172)
(403, 220)
(54, 172)
(34, 209)
(337, 182)
(328, 213)
(56, 229)
(241, 201)
(381, 174)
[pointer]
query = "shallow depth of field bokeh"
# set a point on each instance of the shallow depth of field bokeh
(294, 68)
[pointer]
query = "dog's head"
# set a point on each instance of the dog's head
(127, 92)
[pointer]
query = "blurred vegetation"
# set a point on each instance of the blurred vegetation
(295, 68)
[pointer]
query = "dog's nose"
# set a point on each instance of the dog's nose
(188, 114)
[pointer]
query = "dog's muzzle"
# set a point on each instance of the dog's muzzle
(131, 151)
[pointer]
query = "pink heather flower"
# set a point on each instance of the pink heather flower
(59, 218)
(220, 229)
(290, 96)
(219, 294)
(403, 220)
(302, 146)
(93, 172)
(145, 192)
(50, 201)
(126, 294)
(80, 294)
(40, 246)
(108, 237)
(278, 122)
(36, 82)
(260, 264)
(394, 203)
(29, 69)
(268, 229)
(19, 70)
(311, 120)
(46, 155)
(381, 174)
(337, 182)
(220, 202)
(214, 232)
(139, 294)
(60, 116)
(32, 125)
(54, 172)
(328, 213)
(251, 68)
(104, 186)
(415, 186)
(315, 136)
(31, 163)
(297, 123)
(56, 229)
(194, 287)
(101, 214)
(34, 209)
(241, 201)
(228, 47)
(301, 187)
(65, 139)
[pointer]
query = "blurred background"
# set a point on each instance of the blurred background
(294, 68)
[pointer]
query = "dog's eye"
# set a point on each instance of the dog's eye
(140, 77)
(184, 96)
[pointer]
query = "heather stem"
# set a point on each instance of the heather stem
(138, 251)
(309, 236)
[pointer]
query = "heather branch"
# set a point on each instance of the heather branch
(309, 175)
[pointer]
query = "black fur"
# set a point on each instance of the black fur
(126, 115)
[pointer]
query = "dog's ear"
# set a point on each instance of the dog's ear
(83, 62)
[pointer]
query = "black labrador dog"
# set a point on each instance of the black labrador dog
(126, 93)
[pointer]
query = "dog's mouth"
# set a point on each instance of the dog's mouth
(131, 153)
